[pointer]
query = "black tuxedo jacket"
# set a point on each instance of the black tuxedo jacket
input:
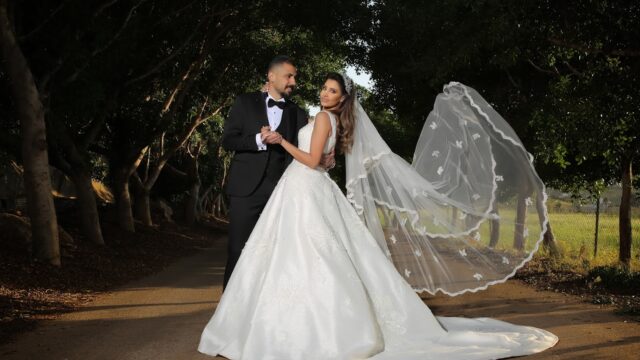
(247, 116)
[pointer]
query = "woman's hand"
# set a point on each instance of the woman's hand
(328, 161)
(272, 137)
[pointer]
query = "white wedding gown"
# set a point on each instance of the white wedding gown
(312, 283)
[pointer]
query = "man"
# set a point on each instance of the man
(253, 128)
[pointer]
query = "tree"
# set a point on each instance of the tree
(220, 70)
(592, 62)
(117, 79)
(75, 103)
(564, 74)
(37, 181)
(412, 53)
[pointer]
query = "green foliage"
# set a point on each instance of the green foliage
(111, 68)
(574, 233)
(565, 75)
(387, 123)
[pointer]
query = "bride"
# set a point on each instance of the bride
(324, 276)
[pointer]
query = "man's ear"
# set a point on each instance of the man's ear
(271, 76)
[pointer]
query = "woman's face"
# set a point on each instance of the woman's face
(330, 95)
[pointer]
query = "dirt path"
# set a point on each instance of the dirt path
(161, 317)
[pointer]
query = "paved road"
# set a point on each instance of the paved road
(161, 317)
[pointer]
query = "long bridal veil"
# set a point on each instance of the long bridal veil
(467, 213)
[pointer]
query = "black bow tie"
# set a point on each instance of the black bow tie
(272, 103)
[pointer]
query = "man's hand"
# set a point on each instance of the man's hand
(272, 137)
(264, 131)
(328, 161)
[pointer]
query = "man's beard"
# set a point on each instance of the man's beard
(286, 94)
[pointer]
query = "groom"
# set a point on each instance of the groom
(256, 123)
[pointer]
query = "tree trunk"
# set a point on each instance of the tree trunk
(220, 207)
(625, 214)
(143, 206)
(153, 171)
(191, 205)
(595, 241)
(89, 216)
(122, 166)
(220, 210)
(190, 212)
(68, 152)
(548, 239)
(495, 229)
(521, 219)
(37, 180)
(79, 171)
(124, 213)
(204, 200)
(549, 242)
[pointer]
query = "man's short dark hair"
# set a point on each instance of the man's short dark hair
(279, 60)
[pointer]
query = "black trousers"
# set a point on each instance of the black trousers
(244, 212)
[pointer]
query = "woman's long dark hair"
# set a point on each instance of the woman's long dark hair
(346, 121)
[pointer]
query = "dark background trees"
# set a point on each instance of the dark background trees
(565, 75)
(127, 88)
(133, 93)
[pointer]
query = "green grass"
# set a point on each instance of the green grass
(574, 234)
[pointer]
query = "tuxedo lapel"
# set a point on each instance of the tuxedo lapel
(260, 109)
(285, 123)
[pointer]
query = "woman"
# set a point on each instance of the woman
(314, 283)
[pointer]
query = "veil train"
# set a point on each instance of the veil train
(467, 213)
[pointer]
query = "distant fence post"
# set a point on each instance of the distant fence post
(595, 244)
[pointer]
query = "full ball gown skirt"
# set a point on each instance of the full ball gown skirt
(312, 283)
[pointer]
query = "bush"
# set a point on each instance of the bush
(616, 278)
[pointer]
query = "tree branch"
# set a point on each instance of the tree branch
(592, 50)
(181, 90)
(164, 61)
(175, 170)
(554, 73)
(573, 70)
(104, 6)
(99, 50)
(119, 32)
(137, 180)
(162, 160)
(217, 111)
(42, 24)
(511, 79)
(94, 129)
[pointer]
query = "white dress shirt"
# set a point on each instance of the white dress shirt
(274, 114)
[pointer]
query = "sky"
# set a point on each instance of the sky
(362, 79)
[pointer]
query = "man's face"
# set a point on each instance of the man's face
(282, 78)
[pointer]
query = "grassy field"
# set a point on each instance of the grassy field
(575, 235)
(574, 232)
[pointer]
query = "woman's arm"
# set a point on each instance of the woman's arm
(321, 132)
